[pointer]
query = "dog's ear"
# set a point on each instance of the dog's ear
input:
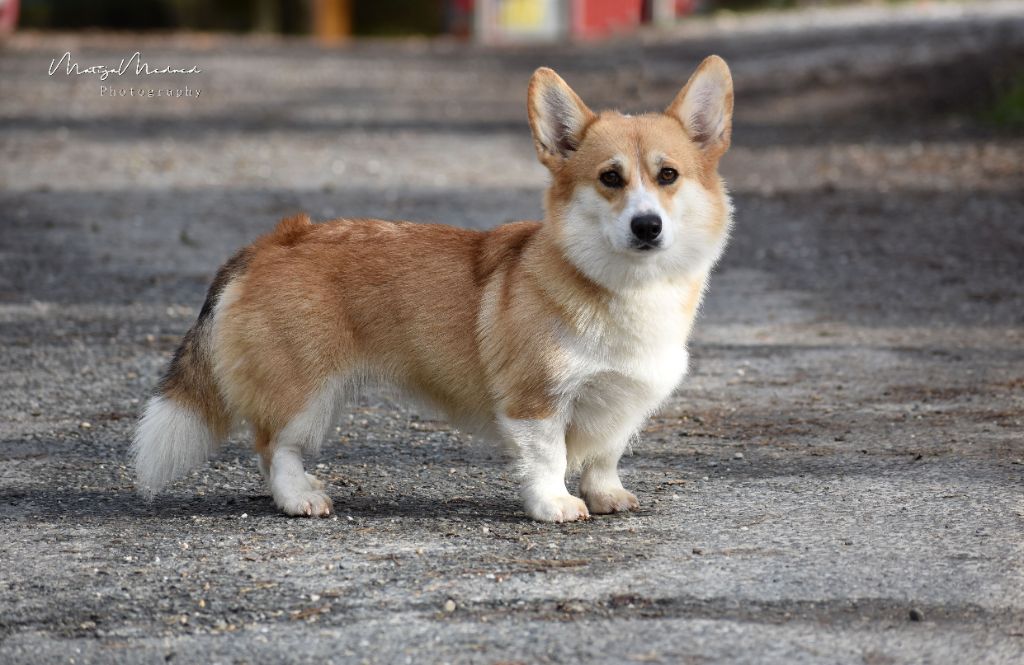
(557, 116)
(704, 106)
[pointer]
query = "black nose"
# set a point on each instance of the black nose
(646, 228)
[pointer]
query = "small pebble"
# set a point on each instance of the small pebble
(85, 424)
(916, 614)
(697, 550)
(738, 456)
(449, 606)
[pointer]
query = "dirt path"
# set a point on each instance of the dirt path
(840, 479)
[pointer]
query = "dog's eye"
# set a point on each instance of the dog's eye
(667, 176)
(611, 179)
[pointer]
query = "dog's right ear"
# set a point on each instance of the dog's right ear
(557, 117)
(704, 106)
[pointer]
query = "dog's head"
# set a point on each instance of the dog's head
(637, 198)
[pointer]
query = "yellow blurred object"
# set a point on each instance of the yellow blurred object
(523, 14)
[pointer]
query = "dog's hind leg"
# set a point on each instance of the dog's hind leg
(261, 442)
(263, 455)
(296, 492)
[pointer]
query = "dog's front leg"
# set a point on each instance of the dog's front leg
(601, 446)
(601, 487)
(540, 445)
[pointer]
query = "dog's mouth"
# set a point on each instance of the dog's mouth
(644, 247)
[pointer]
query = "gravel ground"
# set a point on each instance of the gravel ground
(839, 481)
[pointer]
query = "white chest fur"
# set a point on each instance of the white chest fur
(623, 365)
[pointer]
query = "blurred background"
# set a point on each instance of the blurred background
(482, 19)
(489, 21)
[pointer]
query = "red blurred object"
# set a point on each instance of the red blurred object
(459, 18)
(8, 15)
(686, 7)
(593, 19)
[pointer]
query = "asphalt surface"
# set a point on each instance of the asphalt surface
(838, 481)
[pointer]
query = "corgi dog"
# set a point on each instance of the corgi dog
(557, 338)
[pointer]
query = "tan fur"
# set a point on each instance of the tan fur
(401, 299)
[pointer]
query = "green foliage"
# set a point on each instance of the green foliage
(1008, 108)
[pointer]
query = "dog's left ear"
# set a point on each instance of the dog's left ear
(557, 117)
(704, 106)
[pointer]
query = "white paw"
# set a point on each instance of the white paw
(558, 508)
(614, 500)
(305, 503)
(314, 482)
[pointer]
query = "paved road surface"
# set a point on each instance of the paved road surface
(839, 481)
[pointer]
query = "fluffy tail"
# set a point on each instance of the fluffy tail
(187, 417)
(172, 439)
